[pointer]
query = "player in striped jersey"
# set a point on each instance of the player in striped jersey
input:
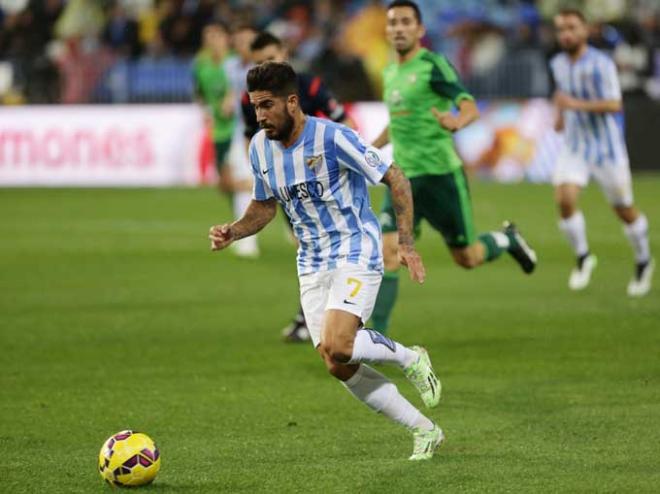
(318, 171)
(315, 99)
(588, 99)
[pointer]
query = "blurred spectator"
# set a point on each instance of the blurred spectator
(52, 50)
(121, 34)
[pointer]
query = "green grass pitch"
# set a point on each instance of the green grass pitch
(116, 315)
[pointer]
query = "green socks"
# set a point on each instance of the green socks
(389, 289)
(495, 243)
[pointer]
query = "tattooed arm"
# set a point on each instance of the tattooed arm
(257, 216)
(403, 208)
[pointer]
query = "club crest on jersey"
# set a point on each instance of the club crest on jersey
(372, 158)
(312, 161)
(412, 78)
(395, 97)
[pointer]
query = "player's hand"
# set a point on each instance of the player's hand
(221, 236)
(565, 102)
(447, 120)
(409, 257)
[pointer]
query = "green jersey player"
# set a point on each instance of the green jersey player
(213, 91)
(420, 90)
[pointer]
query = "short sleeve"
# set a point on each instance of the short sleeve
(261, 190)
(606, 80)
(445, 81)
(353, 153)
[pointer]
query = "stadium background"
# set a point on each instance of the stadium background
(111, 53)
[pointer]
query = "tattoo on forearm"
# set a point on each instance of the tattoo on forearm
(402, 203)
(257, 216)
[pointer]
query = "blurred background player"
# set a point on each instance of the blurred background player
(213, 91)
(588, 99)
(318, 172)
(315, 100)
(420, 90)
(236, 67)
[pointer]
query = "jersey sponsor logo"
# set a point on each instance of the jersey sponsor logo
(372, 158)
(305, 190)
(312, 161)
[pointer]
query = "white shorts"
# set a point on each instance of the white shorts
(614, 178)
(351, 288)
(237, 157)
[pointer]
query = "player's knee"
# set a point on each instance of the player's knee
(338, 351)
(465, 259)
(566, 207)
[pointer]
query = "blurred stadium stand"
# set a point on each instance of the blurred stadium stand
(139, 51)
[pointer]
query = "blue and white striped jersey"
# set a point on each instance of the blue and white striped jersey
(321, 181)
(597, 137)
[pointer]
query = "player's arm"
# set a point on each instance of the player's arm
(256, 217)
(606, 82)
(467, 113)
(249, 118)
(383, 138)
(402, 203)
(327, 104)
(559, 121)
(567, 102)
(446, 83)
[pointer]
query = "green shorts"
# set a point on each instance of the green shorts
(221, 152)
(443, 201)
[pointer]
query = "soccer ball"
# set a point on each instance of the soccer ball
(129, 458)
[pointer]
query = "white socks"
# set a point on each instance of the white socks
(378, 393)
(371, 346)
(501, 240)
(575, 230)
(638, 234)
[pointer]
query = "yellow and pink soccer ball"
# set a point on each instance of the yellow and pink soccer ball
(129, 459)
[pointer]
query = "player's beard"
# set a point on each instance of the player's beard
(572, 48)
(282, 133)
(403, 50)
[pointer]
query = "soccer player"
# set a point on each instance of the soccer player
(315, 99)
(420, 89)
(318, 171)
(213, 91)
(588, 99)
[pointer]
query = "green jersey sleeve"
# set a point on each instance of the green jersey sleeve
(445, 81)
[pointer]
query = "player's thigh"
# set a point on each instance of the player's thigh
(353, 290)
(570, 168)
(314, 291)
(444, 201)
(615, 181)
